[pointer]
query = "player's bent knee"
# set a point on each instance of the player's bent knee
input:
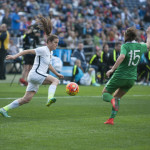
(56, 81)
(107, 97)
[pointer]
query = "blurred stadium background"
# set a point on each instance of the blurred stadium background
(75, 123)
(93, 22)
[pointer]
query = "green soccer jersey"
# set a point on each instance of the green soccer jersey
(128, 68)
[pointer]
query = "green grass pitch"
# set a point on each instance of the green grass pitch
(75, 122)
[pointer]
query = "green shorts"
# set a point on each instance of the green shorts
(115, 83)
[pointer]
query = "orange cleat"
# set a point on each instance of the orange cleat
(110, 121)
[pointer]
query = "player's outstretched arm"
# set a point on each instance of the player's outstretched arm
(55, 72)
(20, 54)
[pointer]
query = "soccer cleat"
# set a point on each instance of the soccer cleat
(110, 121)
(115, 104)
(95, 84)
(51, 101)
(3, 112)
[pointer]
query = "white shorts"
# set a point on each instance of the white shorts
(35, 80)
(86, 79)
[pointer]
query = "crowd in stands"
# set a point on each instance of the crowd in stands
(93, 22)
(102, 20)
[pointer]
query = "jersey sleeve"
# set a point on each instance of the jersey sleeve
(39, 51)
(123, 50)
(144, 48)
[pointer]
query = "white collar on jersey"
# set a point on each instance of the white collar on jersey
(132, 41)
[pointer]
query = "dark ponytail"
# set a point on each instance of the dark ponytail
(46, 25)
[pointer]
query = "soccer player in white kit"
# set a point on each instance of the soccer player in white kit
(38, 74)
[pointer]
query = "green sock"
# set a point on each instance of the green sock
(107, 97)
(113, 112)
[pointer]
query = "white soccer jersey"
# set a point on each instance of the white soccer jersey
(38, 73)
(42, 60)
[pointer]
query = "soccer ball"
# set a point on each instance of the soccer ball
(72, 88)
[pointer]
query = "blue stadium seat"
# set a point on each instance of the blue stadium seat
(67, 71)
(63, 54)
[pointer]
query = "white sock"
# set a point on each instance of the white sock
(93, 73)
(51, 91)
(12, 105)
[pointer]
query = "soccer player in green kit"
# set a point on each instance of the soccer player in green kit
(125, 70)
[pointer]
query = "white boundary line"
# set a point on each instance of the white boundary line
(74, 96)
